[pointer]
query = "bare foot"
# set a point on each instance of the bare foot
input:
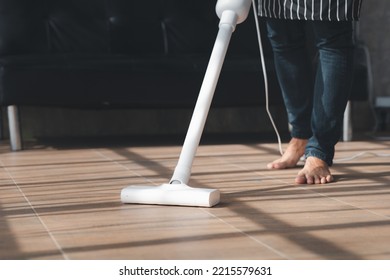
(315, 171)
(290, 158)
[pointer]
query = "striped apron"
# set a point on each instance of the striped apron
(330, 10)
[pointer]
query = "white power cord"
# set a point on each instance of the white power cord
(360, 155)
(265, 77)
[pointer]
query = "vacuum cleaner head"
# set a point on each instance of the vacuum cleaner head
(170, 194)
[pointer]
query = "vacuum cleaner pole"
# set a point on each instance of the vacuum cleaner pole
(230, 12)
(183, 169)
(177, 192)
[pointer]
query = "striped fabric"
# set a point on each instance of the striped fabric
(311, 9)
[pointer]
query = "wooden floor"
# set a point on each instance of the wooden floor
(63, 203)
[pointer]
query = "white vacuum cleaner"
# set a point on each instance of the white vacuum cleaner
(177, 192)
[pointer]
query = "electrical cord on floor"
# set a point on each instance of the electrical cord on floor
(360, 155)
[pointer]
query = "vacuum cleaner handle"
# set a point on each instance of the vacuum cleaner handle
(230, 13)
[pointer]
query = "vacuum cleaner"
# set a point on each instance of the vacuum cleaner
(177, 192)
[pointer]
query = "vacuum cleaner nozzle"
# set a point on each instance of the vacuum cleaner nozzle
(170, 194)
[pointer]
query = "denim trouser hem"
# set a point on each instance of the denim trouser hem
(300, 135)
(320, 155)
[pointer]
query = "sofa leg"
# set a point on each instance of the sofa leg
(347, 124)
(14, 128)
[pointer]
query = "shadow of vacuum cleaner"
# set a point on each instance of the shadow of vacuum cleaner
(177, 192)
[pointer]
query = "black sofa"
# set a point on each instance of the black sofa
(122, 54)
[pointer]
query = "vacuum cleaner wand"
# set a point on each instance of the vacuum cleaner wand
(177, 192)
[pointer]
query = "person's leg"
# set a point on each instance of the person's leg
(294, 72)
(334, 41)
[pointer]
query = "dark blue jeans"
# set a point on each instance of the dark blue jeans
(315, 99)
